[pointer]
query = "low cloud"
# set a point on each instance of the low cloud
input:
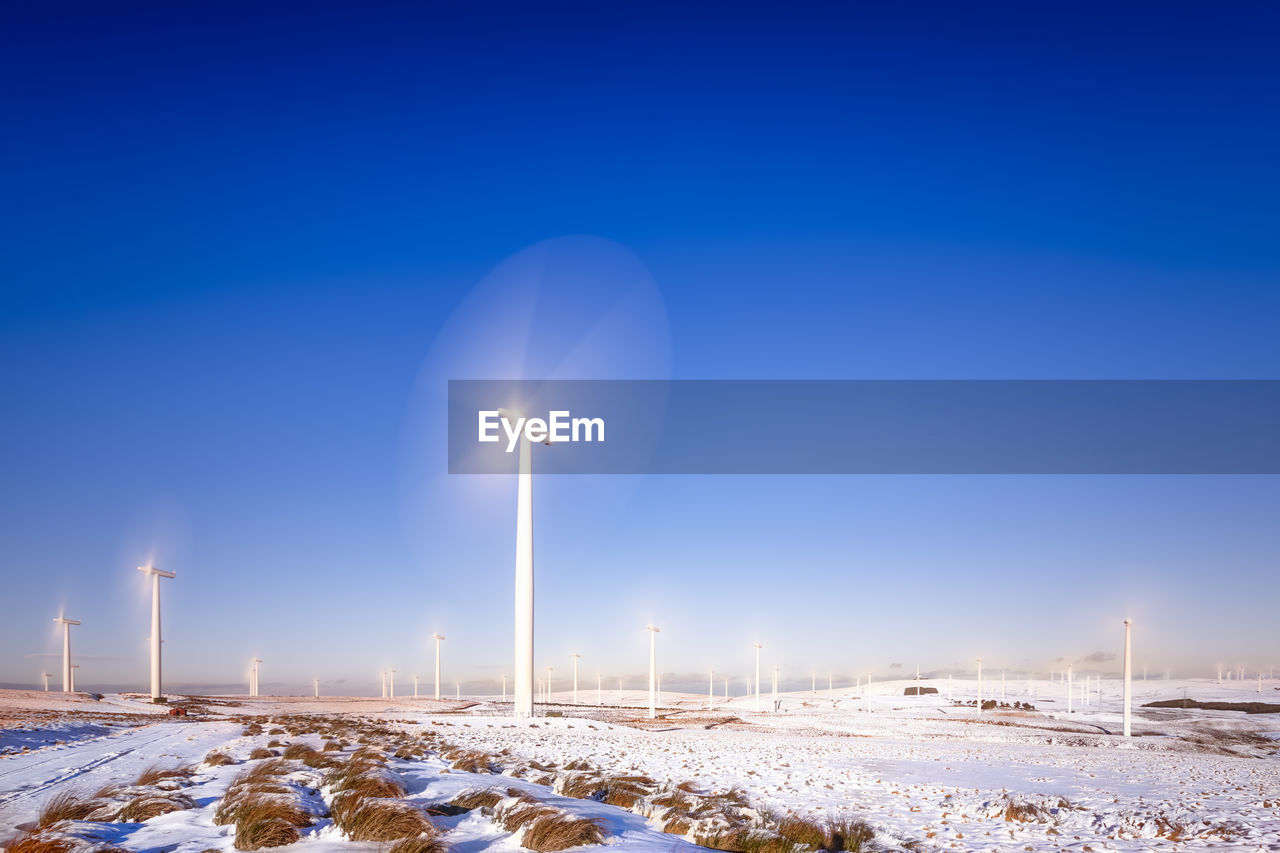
(1099, 657)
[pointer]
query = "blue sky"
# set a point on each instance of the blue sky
(236, 243)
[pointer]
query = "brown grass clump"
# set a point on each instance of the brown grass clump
(372, 783)
(265, 833)
(677, 826)
(265, 770)
(421, 844)
(515, 816)
(34, 842)
(66, 805)
(471, 761)
(218, 759)
(581, 786)
(261, 752)
(804, 832)
(333, 746)
(376, 819)
(848, 834)
(155, 773)
(147, 806)
(477, 798)
(560, 831)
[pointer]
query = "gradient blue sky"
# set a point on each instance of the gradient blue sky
(236, 241)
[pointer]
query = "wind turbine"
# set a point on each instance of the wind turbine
(67, 675)
(711, 689)
(74, 667)
(391, 681)
(1128, 677)
(155, 575)
(256, 674)
(653, 671)
(46, 680)
(549, 670)
(979, 685)
(524, 572)
(575, 677)
(316, 681)
(775, 688)
(758, 647)
(438, 637)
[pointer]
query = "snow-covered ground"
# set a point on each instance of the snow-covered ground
(923, 772)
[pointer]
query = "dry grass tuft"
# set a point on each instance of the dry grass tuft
(155, 773)
(265, 833)
(66, 805)
(848, 834)
(32, 842)
(471, 761)
(376, 819)
(804, 832)
(147, 806)
(370, 783)
(333, 746)
(261, 752)
(477, 798)
(515, 816)
(421, 844)
(560, 831)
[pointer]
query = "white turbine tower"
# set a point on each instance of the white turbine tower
(979, 685)
(550, 669)
(711, 689)
(46, 676)
(68, 677)
(74, 667)
(758, 647)
(257, 672)
(391, 683)
(1128, 677)
(316, 682)
(155, 575)
(575, 677)
(438, 637)
(524, 572)
(653, 671)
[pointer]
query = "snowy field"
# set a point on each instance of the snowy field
(895, 772)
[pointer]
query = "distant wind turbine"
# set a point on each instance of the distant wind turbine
(575, 657)
(653, 671)
(438, 637)
(1128, 676)
(758, 647)
(155, 575)
(46, 680)
(68, 679)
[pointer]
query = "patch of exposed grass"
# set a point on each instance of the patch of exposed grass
(561, 831)
(147, 806)
(421, 844)
(155, 773)
(33, 842)
(477, 798)
(65, 805)
(218, 759)
(848, 834)
(261, 752)
(378, 819)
